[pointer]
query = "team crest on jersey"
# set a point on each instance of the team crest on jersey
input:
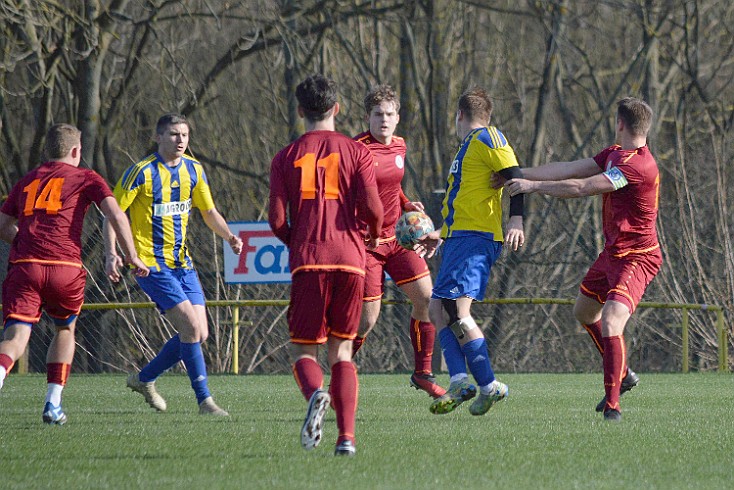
(399, 161)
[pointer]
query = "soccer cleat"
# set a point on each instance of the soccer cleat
(148, 391)
(345, 448)
(458, 393)
(427, 383)
(208, 407)
(53, 415)
(629, 381)
(483, 402)
(314, 422)
(612, 415)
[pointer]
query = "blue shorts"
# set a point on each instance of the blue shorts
(465, 266)
(169, 287)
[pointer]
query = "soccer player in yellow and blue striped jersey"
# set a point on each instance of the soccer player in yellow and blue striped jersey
(472, 230)
(158, 193)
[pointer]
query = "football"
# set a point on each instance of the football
(410, 227)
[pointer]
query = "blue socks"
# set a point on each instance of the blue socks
(452, 352)
(169, 355)
(477, 355)
(193, 359)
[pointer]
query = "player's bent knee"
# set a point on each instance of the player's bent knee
(462, 327)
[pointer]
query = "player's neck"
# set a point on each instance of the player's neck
(324, 125)
(628, 142)
(170, 160)
(385, 141)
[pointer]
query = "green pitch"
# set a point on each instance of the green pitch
(677, 432)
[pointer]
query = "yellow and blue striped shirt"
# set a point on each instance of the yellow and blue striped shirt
(158, 199)
(471, 204)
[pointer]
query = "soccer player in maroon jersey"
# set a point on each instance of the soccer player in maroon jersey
(408, 270)
(317, 184)
(43, 218)
(627, 176)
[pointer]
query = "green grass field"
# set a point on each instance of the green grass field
(677, 432)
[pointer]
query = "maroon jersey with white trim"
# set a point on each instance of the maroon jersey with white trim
(630, 212)
(50, 203)
(388, 175)
(322, 176)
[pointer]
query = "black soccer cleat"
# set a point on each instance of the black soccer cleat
(629, 381)
(345, 448)
(612, 415)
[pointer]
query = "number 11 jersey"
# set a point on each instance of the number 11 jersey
(322, 176)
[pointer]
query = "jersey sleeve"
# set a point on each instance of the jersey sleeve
(10, 206)
(201, 194)
(97, 189)
(365, 167)
(500, 154)
(601, 157)
(129, 185)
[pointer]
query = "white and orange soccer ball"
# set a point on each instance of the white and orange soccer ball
(410, 227)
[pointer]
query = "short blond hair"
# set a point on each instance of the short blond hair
(476, 105)
(60, 139)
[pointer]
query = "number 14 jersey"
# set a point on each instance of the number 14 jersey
(50, 203)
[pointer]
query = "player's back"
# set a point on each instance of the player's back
(50, 203)
(322, 176)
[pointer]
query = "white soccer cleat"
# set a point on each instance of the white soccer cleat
(148, 391)
(314, 423)
(483, 403)
(208, 407)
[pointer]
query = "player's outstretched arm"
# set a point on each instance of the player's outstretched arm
(577, 169)
(8, 227)
(215, 221)
(117, 226)
(590, 186)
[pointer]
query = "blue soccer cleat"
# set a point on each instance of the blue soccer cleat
(53, 415)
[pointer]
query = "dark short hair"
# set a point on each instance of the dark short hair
(317, 96)
(60, 139)
(379, 94)
(169, 120)
(636, 115)
(476, 104)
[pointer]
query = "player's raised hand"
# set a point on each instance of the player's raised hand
(414, 206)
(235, 244)
(427, 245)
(112, 266)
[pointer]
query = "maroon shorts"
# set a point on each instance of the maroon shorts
(324, 303)
(403, 265)
(622, 279)
(59, 289)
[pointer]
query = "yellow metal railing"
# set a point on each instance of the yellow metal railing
(721, 332)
